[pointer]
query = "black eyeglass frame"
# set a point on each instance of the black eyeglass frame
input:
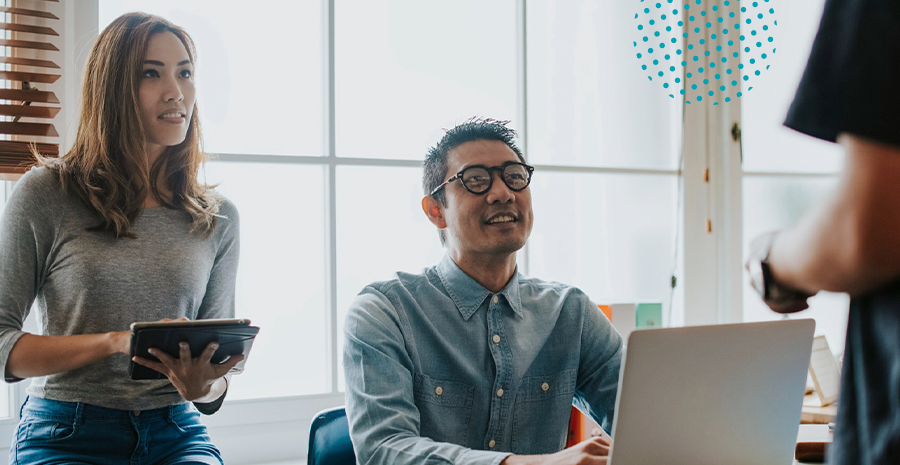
(490, 169)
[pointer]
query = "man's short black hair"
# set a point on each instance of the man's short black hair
(434, 171)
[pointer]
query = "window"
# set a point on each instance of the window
(785, 172)
(404, 69)
(253, 97)
(317, 120)
(606, 144)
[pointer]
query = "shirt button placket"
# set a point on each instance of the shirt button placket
(500, 360)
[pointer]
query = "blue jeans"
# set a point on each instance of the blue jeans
(55, 432)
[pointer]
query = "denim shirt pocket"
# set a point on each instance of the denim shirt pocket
(541, 414)
(445, 408)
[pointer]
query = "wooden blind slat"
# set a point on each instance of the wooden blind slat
(29, 111)
(31, 29)
(29, 62)
(29, 77)
(28, 44)
(28, 95)
(28, 129)
(10, 149)
(27, 12)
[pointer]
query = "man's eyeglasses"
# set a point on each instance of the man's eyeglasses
(478, 179)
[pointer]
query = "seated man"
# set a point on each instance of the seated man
(470, 361)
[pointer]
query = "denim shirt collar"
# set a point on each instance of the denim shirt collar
(468, 295)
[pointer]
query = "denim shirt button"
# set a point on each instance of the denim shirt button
(545, 387)
(496, 299)
(499, 393)
(496, 339)
(492, 443)
(438, 390)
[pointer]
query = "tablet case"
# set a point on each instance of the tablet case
(233, 340)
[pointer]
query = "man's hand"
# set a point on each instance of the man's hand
(593, 451)
(779, 298)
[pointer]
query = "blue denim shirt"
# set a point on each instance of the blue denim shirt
(440, 370)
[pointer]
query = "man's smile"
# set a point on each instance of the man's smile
(503, 217)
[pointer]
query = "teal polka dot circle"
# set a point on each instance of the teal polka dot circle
(734, 42)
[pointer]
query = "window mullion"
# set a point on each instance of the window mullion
(701, 280)
(730, 190)
(331, 199)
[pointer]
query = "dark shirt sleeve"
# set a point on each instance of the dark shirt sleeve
(852, 81)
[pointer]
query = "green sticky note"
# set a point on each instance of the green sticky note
(649, 315)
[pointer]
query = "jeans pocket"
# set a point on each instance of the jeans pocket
(188, 423)
(41, 431)
(445, 408)
(543, 404)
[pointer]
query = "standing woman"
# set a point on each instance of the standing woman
(118, 230)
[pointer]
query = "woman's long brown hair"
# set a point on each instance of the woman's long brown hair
(107, 165)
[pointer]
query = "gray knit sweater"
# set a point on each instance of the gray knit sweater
(85, 282)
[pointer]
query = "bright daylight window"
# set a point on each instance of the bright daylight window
(604, 194)
(786, 172)
(606, 141)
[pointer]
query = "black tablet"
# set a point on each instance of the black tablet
(235, 336)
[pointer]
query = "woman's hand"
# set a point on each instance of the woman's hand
(192, 377)
(121, 340)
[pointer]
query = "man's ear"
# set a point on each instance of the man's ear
(434, 211)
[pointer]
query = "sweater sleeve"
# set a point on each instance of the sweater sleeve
(26, 238)
(219, 300)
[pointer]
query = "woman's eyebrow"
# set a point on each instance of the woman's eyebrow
(159, 63)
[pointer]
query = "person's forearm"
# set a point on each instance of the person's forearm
(848, 243)
(523, 460)
(34, 355)
(816, 253)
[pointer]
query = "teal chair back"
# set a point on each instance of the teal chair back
(329, 439)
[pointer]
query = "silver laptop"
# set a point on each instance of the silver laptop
(712, 395)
